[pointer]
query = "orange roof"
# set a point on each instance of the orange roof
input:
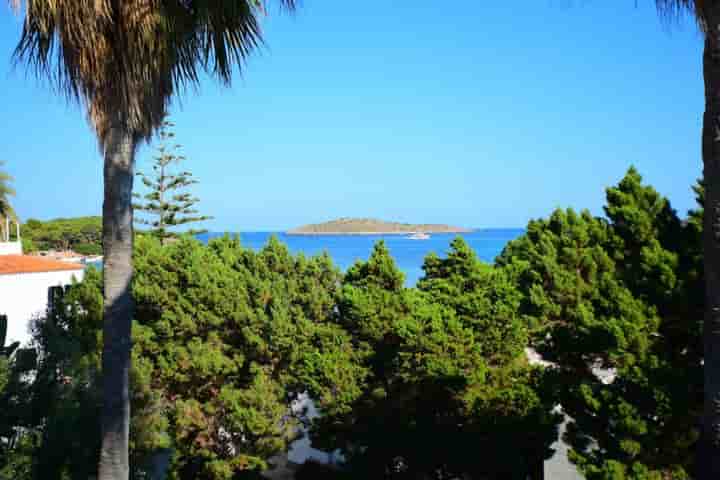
(10, 264)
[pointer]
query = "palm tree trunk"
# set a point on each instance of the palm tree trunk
(119, 304)
(709, 452)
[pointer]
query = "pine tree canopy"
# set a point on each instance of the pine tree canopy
(167, 204)
(431, 381)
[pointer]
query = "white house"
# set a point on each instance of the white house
(25, 286)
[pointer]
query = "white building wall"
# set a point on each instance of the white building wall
(24, 296)
(10, 248)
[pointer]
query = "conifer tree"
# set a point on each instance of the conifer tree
(440, 373)
(617, 305)
(224, 338)
(167, 204)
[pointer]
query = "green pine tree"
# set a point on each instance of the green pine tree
(167, 204)
(439, 375)
(617, 305)
(224, 339)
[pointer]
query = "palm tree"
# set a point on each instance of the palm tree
(707, 13)
(124, 60)
(6, 210)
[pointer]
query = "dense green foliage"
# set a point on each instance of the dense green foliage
(428, 382)
(444, 386)
(617, 305)
(222, 331)
(167, 204)
(219, 336)
(81, 234)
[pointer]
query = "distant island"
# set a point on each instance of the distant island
(371, 226)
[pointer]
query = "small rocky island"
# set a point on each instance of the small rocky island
(371, 226)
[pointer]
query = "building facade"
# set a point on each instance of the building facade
(26, 286)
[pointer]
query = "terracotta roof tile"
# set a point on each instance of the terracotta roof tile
(12, 264)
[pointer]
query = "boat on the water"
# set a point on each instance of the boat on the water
(419, 236)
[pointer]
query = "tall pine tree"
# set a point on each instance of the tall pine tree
(434, 382)
(167, 204)
(616, 304)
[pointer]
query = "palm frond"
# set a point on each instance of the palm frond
(5, 179)
(6, 210)
(672, 10)
(126, 60)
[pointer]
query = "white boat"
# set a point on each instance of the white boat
(419, 236)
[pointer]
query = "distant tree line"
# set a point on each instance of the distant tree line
(81, 234)
(428, 382)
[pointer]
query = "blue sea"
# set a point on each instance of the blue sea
(408, 254)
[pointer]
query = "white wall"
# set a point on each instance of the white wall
(10, 248)
(24, 296)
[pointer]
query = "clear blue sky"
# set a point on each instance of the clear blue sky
(481, 114)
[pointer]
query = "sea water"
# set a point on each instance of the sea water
(408, 254)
